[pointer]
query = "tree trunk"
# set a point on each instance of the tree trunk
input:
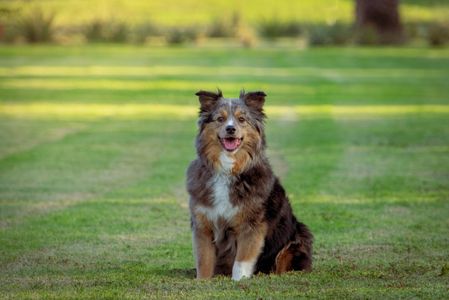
(382, 16)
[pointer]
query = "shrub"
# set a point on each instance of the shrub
(438, 34)
(143, 32)
(107, 31)
(7, 32)
(221, 28)
(36, 26)
(181, 35)
(94, 31)
(274, 28)
(335, 34)
(119, 32)
(225, 27)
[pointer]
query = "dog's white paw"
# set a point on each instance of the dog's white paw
(242, 269)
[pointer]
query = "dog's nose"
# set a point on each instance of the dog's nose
(230, 129)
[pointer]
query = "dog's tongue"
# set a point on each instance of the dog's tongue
(231, 144)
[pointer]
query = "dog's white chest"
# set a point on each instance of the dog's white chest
(221, 202)
(222, 206)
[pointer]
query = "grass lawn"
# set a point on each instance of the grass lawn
(94, 143)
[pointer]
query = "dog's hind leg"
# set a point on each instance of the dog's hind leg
(296, 255)
(283, 262)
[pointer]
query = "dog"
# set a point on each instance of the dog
(241, 219)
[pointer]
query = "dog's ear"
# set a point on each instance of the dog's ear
(208, 99)
(254, 100)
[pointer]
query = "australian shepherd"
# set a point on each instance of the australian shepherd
(242, 221)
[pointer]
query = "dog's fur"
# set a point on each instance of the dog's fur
(242, 221)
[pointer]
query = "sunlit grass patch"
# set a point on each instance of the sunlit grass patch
(154, 71)
(156, 111)
(92, 111)
(136, 85)
(346, 110)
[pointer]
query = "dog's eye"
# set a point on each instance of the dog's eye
(241, 119)
(220, 119)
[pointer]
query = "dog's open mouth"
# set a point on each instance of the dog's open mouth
(230, 143)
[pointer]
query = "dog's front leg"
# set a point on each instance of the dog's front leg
(204, 250)
(250, 242)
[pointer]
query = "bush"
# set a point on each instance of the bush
(181, 35)
(7, 32)
(94, 31)
(143, 32)
(107, 31)
(225, 27)
(221, 28)
(36, 26)
(438, 34)
(119, 33)
(336, 34)
(274, 28)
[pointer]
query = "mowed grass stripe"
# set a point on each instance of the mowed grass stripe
(132, 71)
(309, 84)
(325, 89)
(91, 110)
(368, 59)
(306, 84)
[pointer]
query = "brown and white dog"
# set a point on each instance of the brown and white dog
(242, 221)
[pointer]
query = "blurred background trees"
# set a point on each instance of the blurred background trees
(306, 22)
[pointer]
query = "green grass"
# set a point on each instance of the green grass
(94, 143)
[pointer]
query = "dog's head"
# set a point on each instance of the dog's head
(231, 126)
